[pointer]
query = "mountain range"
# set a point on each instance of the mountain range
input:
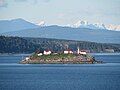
(86, 24)
(83, 31)
(15, 25)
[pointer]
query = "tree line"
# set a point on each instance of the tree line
(29, 45)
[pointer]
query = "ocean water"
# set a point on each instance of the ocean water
(15, 76)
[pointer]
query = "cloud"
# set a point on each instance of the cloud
(46, 0)
(35, 1)
(61, 15)
(20, 0)
(3, 3)
(42, 1)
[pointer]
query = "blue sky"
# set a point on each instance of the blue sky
(62, 12)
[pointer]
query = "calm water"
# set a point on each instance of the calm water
(14, 76)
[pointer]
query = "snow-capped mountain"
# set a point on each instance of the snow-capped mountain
(80, 24)
(21, 24)
(41, 23)
(113, 27)
(85, 24)
(82, 30)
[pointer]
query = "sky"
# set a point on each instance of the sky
(62, 12)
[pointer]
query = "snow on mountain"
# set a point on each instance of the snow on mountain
(21, 24)
(80, 24)
(113, 27)
(41, 23)
(82, 30)
(85, 24)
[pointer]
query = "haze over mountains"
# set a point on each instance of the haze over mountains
(82, 31)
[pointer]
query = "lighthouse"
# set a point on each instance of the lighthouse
(82, 52)
(78, 50)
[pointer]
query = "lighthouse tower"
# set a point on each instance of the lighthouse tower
(78, 50)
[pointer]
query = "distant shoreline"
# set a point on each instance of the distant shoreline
(15, 54)
(28, 45)
(105, 53)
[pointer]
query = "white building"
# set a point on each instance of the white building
(27, 58)
(39, 54)
(47, 52)
(83, 52)
(110, 50)
(68, 52)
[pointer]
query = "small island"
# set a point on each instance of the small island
(65, 57)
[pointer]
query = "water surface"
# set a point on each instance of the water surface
(14, 76)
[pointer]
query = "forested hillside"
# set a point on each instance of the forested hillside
(29, 45)
(15, 45)
(68, 33)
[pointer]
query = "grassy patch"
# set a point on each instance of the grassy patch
(54, 56)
